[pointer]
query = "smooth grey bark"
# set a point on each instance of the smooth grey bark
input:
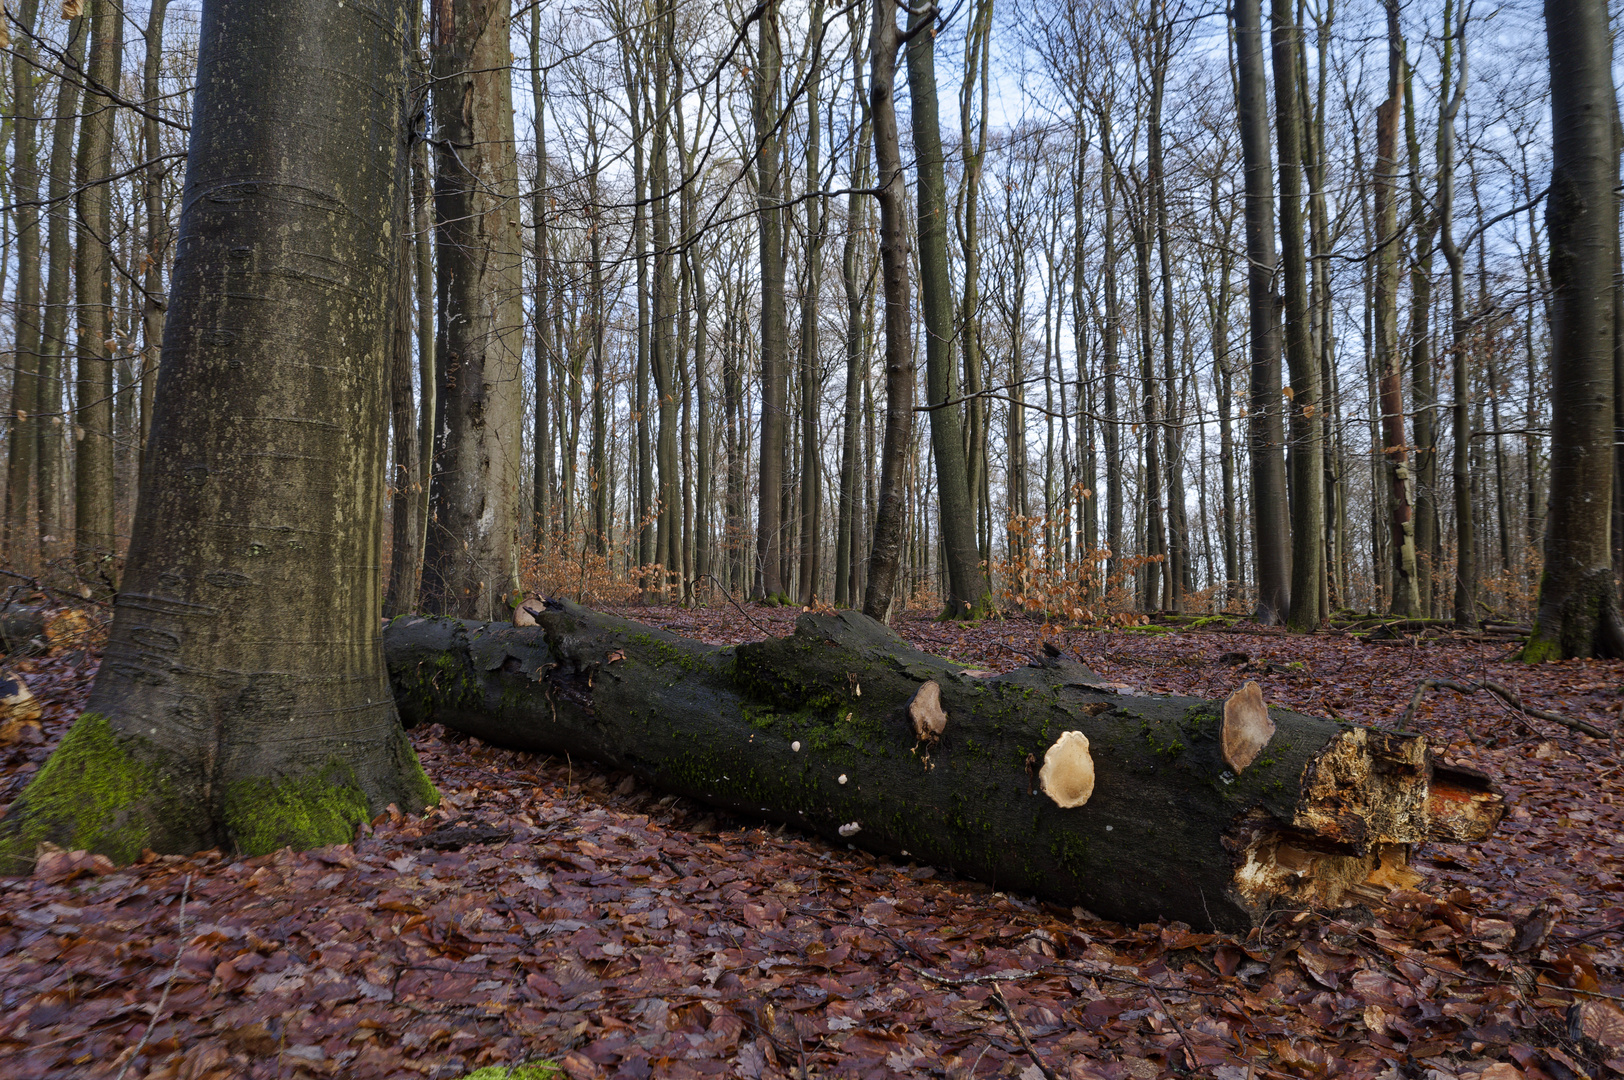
(1266, 435)
(25, 389)
(544, 350)
(1305, 460)
(55, 346)
(94, 542)
(1465, 592)
(769, 154)
(406, 479)
(973, 154)
(1405, 598)
(470, 563)
(154, 302)
(813, 730)
(1423, 382)
(428, 383)
(891, 514)
(817, 231)
(243, 701)
(968, 594)
(1577, 614)
(847, 517)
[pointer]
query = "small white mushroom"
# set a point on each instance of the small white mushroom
(1247, 728)
(842, 778)
(851, 828)
(926, 712)
(796, 746)
(1067, 775)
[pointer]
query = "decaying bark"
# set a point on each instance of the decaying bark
(819, 730)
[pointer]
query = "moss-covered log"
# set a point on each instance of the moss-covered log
(827, 729)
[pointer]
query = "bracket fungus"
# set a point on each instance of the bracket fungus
(926, 712)
(1067, 775)
(1247, 728)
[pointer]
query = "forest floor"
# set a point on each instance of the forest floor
(618, 933)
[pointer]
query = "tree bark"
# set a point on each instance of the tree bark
(890, 521)
(1577, 614)
(243, 701)
(94, 544)
(847, 520)
(1270, 532)
(55, 345)
(1406, 593)
(1305, 460)
(471, 559)
(154, 302)
(836, 730)
(774, 330)
(25, 392)
(968, 593)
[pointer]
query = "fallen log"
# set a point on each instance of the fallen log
(1044, 780)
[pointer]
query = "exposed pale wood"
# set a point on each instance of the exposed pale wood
(1247, 728)
(1067, 776)
(926, 712)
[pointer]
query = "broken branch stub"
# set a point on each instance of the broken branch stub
(926, 712)
(1067, 775)
(1247, 728)
(769, 729)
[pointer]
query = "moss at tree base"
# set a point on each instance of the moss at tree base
(101, 791)
(321, 808)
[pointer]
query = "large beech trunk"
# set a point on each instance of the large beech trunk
(816, 730)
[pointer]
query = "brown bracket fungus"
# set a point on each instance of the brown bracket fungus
(1067, 775)
(926, 712)
(1247, 728)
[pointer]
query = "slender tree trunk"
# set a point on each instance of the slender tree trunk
(968, 594)
(405, 557)
(25, 389)
(1267, 434)
(1109, 337)
(545, 349)
(1177, 543)
(1578, 615)
(890, 520)
(1305, 458)
(1465, 519)
(1423, 383)
(155, 303)
(817, 229)
(215, 721)
(54, 335)
(94, 542)
(774, 331)
(1406, 597)
(471, 561)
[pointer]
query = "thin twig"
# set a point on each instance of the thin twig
(730, 600)
(163, 999)
(1510, 697)
(1026, 1042)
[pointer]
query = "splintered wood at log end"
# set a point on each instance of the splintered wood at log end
(1067, 775)
(926, 712)
(1247, 727)
(1278, 866)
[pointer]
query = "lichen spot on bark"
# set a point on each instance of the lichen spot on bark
(1067, 775)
